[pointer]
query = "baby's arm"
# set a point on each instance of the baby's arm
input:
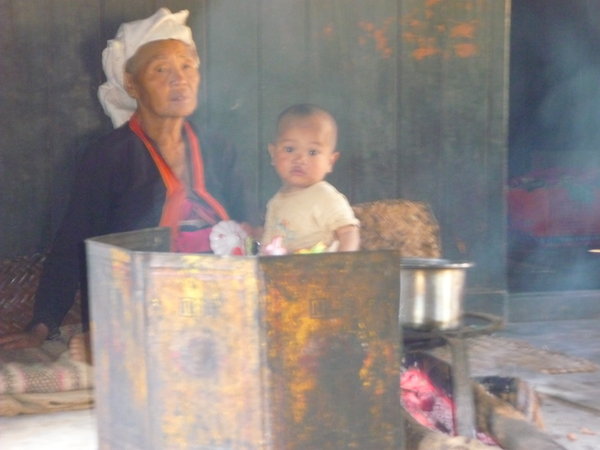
(349, 237)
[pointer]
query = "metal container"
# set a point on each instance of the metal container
(431, 293)
(199, 351)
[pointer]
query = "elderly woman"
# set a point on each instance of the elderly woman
(153, 169)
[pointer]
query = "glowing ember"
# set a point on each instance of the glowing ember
(430, 405)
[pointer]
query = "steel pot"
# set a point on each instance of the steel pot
(431, 293)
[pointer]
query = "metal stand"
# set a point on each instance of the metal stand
(462, 386)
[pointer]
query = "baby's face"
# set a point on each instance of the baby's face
(304, 152)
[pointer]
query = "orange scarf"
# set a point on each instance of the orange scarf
(176, 192)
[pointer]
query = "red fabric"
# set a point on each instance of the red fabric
(555, 203)
(192, 241)
(551, 212)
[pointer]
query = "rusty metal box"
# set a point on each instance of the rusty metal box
(197, 351)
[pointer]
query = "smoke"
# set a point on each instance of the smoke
(555, 79)
(555, 123)
(569, 114)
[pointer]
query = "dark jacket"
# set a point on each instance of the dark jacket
(118, 188)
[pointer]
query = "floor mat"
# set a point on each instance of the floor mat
(491, 352)
(46, 402)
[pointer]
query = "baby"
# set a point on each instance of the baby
(307, 214)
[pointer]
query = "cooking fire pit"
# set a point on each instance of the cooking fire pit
(431, 315)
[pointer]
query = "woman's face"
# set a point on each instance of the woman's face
(163, 76)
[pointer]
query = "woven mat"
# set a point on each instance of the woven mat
(488, 353)
(44, 370)
(19, 279)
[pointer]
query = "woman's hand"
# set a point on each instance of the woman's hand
(254, 232)
(32, 338)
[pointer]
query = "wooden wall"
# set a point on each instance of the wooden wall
(419, 88)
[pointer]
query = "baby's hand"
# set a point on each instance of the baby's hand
(274, 247)
(349, 237)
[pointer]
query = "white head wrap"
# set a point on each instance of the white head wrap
(132, 35)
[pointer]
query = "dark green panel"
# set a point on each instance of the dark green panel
(24, 125)
(419, 103)
(352, 48)
(115, 12)
(284, 74)
(198, 22)
(453, 88)
(231, 81)
(497, 148)
(73, 75)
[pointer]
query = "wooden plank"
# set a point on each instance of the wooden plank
(25, 97)
(115, 12)
(465, 126)
(198, 22)
(494, 152)
(283, 75)
(352, 60)
(230, 68)
(419, 90)
(477, 144)
(455, 86)
(73, 74)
